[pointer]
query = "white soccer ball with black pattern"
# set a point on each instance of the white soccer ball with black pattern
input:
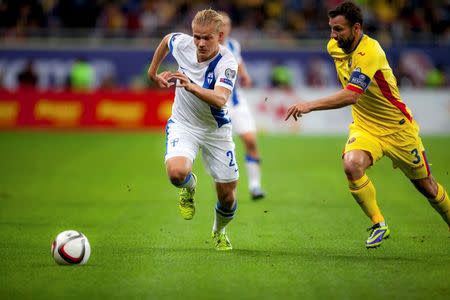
(71, 247)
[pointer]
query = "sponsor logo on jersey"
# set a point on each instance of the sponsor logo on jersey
(359, 79)
(226, 81)
(351, 140)
(359, 82)
(361, 53)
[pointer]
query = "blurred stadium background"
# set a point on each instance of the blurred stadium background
(76, 70)
(107, 45)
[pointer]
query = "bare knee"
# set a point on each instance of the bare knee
(177, 170)
(355, 164)
(177, 175)
(353, 170)
(426, 186)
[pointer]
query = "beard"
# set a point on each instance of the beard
(346, 44)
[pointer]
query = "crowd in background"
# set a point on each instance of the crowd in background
(392, 20)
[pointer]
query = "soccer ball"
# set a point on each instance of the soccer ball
(71, 247)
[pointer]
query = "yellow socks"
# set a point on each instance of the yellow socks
(442, 204)
(364, 193)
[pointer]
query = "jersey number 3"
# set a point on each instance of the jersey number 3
(416, 155)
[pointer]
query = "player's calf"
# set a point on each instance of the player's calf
(436, 195)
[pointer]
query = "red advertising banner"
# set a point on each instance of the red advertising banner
(101, 109)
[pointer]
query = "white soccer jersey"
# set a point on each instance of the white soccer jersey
(242, 119)
(220, 70)
(235, 48)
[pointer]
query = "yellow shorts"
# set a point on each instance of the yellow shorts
(404, 148)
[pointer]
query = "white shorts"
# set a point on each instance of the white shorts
(218, 149)
(241, 117)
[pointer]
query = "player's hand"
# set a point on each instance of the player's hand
(297, 110)
(162, 79)
(183, 80)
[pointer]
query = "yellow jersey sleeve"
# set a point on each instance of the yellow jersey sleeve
(366, 62)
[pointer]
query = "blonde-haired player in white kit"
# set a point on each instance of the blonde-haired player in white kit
(242, 119)
(204, 81)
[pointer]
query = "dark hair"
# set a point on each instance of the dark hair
(349, 10)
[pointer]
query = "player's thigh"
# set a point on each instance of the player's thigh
(407, 153)
(362, 140)
(242, 119)
(220, 160)
(180, 142)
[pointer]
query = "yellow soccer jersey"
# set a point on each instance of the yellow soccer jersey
(366, 70)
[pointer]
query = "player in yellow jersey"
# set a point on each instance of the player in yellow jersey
(382, 124)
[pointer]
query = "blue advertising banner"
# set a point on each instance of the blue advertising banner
(125, 68)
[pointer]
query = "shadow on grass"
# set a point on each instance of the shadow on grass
(314, 255)
(52, 265)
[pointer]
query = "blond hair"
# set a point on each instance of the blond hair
(208, 17)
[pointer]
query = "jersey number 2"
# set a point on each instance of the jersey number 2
(231, 156)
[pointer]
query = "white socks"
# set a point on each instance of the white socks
(254, 172)
(189, 182)
(223, 217)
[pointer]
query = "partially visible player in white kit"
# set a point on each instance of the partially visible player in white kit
(204, 81)
(242, 119)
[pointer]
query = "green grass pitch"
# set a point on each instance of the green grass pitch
(304, 241)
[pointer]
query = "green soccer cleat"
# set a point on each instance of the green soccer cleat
(186, 203)
(221, 241)
(378, 233)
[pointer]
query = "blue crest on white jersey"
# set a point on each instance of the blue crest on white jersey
(210, 77)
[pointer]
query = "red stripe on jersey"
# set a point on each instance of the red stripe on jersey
(354, 89)
(386, 91)
(426, 163)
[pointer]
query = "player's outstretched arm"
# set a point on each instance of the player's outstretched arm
(342, 98)
(217, 97)
(162, 79)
